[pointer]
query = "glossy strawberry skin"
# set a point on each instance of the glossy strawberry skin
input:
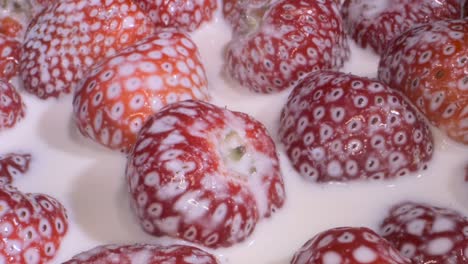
(375, 23)
(12, 166)
(9, 57)
(427, 234)
(429, 64)
(284, 41)
(338, 127)
(33, 226)
(70, 36)
(12, 108)
(348, 245)
(187, 15)
(203, 174)
(121, 92)
(175, 254)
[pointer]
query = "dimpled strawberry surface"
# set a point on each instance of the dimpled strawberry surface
(90, 180)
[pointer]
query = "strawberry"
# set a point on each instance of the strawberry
(427, 234)
(430, 65)
(280, 42)
(375, 23)
(348, 245)
(12, 166)
(12, 108)
(203, 174)
(33, 226)
(187, 15)
(340, 127)
(69, 36)
(119, 93)
(151, 254)
(9, 56)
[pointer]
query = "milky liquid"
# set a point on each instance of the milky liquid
(89, 180)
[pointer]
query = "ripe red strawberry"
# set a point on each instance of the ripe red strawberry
(341, 127)
(121, 92)
(427, 234)
(12, 166)
(70, 36)
(187, 15)
(33, 226)
(139, 254)
(204, 174)
(9, 56)
(348, 245)
(12, 108)
(375, 23)
(283, 41)
(430, 65)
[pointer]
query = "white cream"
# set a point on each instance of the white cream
(89, 180)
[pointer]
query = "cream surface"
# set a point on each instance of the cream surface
(89, 180)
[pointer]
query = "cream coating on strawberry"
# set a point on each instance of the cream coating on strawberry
(429, 64)
(9, 57)
(12, 108)
(32, 225)
(187, 15)
(340, 127)
(15, 16)
(13, 166)
(204, 174)
(284, 40)
(348, 245)
(121, 92)
(374, 23)
(70, 36)
(243, 14)
(144, 254)
(427, 234)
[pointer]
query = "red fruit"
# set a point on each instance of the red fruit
(70, 36)
(341, 127)
(150, 254)
(281, 42)
(10, 27)
(9, 56)
(427, 234)
(187, 15)
(348, 245)
(121, 92)
(204, 174)
(430, 65)
(375, 23)
(12, 166)
(12, 108)
(33, 226)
